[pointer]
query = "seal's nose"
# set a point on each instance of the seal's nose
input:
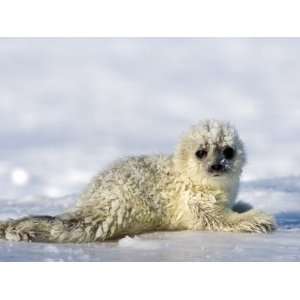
(217, 167)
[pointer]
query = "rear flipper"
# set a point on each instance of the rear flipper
(60, 229)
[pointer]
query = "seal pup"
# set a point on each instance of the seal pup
(193, 189)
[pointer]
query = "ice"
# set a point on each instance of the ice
(138, 243)
(70, 107)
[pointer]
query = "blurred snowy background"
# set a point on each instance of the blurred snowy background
(68, 107)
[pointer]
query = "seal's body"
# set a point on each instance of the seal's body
(193, 189)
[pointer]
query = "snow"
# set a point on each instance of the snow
(70, 107)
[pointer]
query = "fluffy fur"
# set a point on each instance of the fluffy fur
(149, 193)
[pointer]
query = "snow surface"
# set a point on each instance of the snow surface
(70, 106)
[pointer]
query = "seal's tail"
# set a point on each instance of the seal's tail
(63, 228)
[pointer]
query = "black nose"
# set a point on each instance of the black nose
(217, 167)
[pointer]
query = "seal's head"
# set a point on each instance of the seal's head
(211, 152)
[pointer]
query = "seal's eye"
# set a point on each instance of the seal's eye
(201, 153)
(228, 152)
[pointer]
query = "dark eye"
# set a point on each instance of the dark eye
(228, 152)
(201, 153)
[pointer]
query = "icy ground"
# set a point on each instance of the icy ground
(69, 107)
